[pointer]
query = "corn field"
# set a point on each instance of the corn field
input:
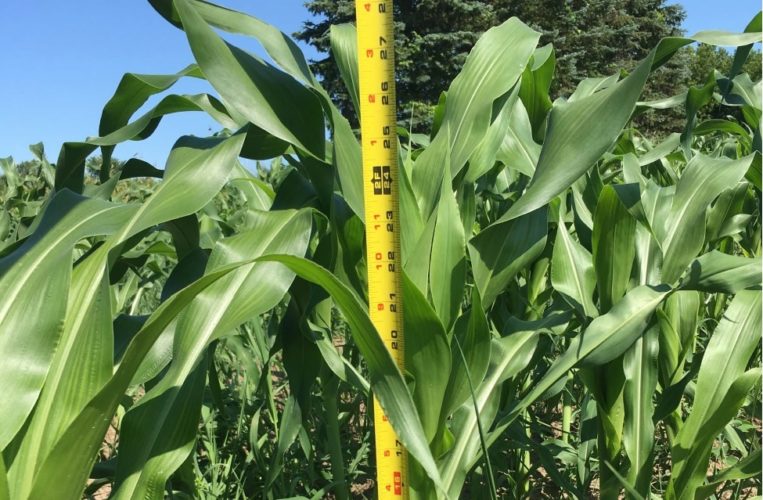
(582, 302)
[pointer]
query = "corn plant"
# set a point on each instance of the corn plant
(616, 264)
(556, 263)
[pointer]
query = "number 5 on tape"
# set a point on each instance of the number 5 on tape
(378, 125)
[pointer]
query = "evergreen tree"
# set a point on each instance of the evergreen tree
(591, 38)
(595, 37)
(706, 58)
(432, 40)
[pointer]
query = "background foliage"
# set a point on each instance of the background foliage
(591, 38)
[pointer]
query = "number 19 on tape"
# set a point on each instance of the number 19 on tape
(378, 122)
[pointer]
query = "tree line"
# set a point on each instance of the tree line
(590, 37)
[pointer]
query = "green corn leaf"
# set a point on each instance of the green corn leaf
(494, 65)
(606, 338)
(742, 53)
(577, 134)
(132, 92)
(5, 226)
(284, 51)
(344, 48)
(182, 191)
(690, 473)
(427, 356)
(466, 198)
(347, 153)
(46, 170)
(180, 429)
(572, 272)
(681, 232)
(632, 492)
(305, 314)
(678, 320)
(723, 384)
(240, 296)
(290, 424)
(69, 385)
(145, 125)
(580, 130)
(614, 247)
(587, 437)
(518, 150)
(4, 490)
(606, 384)
(350, 255)
(720, 272)
(640, 368)
(664, 103)
(717, 125)
(585, 195)
(696, 98)
(473, 333)
(535, 85)
(176, 437)
(386, 380)
(661, 150)
(509, 355)
(267, 97)
(627, 323)
(754, 175)
(589, 86)
(652, 207)
(485, 155)
(346, 157)
(749, 466)
(414, 226)
(67, 467)
(729, 204)
(41, 267)
(418, 255)
(259, 195)
(447, 261)
(503, 249)
(746, 92)
(196, 170)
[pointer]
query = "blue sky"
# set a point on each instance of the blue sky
(62, 60)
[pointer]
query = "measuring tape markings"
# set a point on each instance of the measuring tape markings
(378, 123)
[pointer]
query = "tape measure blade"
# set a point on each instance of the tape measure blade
(378, 124)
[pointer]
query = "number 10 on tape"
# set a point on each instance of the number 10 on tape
(378, 122)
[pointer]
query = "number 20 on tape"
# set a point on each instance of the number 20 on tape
(378, 123)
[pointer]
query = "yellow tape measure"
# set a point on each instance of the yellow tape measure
(378, 123)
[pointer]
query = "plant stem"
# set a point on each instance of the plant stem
(483, 442)
(136, 302)
(330, 393)
(567, 409)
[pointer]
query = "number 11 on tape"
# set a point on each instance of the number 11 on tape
(378, 124)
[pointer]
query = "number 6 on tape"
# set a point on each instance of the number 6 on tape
(378, 124)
